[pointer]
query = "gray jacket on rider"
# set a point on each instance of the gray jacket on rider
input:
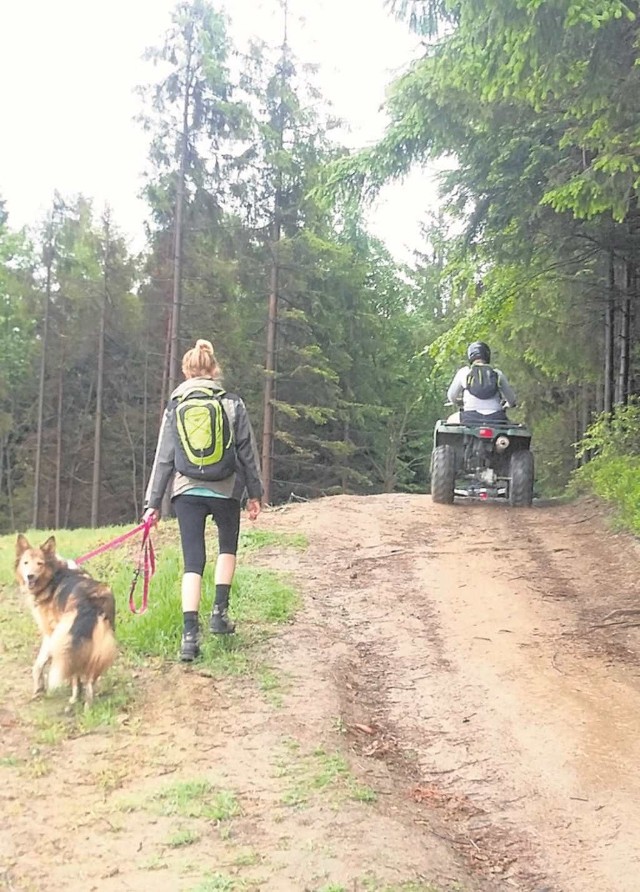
(471, 403)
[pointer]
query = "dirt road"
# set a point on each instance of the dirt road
(465, 640)
(445, 673)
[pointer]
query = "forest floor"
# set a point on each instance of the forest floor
(449, 710)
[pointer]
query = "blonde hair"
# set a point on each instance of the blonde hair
(201, 362)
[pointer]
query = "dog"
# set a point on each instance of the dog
(75, 615)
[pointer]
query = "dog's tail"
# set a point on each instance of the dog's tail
(85, 656)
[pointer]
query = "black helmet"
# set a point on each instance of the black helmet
(479, 350)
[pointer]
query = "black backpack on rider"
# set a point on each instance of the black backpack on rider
(482, 382)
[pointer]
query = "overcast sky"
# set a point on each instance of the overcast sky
(68, 69)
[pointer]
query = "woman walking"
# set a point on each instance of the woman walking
(207, 445)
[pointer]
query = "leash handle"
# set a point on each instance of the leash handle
(146, 561)
(146, 566)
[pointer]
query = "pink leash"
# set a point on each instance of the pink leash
(146, 561)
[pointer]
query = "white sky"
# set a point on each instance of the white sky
(68, 69)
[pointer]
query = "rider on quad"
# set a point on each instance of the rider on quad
(484, 390)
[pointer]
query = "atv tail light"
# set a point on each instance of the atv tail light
(486, 433)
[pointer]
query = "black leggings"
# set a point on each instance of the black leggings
(192, 513)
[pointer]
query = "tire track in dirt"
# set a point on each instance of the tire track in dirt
(463, 660)
(547, 731)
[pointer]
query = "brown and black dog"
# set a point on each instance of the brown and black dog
(75, 615)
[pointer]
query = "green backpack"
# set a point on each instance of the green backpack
(203, 435)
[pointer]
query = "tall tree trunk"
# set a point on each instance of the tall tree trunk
(134, 463)
(165, 508)
(270, 372)
(49, 252)
(176, 298)
(268, 427)
(97, 440)
(577, 423)
(75, 462)
(59, 432)
(145, 426)
(609, 338)
(12, 518)
(164, 387)
(585, 411)
(625, 337)
(176, 301)
(346, 439)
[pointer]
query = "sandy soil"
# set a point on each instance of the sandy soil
(450, 710)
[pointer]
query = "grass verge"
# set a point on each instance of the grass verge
(260, 600)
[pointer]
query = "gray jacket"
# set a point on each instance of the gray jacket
(471, 403)
(247, 459)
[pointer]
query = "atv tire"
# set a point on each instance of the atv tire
(521, 485)
(443, 474)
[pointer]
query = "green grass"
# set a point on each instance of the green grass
(260, 600)
(321, 773)
(220, 882)
(370, 883)
(51, 733)
(10, 762)
(252, 540)
(195, 799)
(37, 766)
(617, 480)
(327, 769)
(247, 858)
(18, 631)
(271, 685)
(55, 720)
(183, 837)
(156, 862)
(114, 697)
(612, 443)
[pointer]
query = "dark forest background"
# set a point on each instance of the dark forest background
(256, 241)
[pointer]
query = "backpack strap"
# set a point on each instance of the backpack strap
(207, 391)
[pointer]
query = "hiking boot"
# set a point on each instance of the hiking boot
(190, 647)
(220, 624)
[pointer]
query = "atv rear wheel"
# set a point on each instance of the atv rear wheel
(521, 485)
(443, 474)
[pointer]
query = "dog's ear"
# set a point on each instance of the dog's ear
(22, 544)
(49, 546)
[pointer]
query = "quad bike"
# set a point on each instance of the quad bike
(483, 461)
